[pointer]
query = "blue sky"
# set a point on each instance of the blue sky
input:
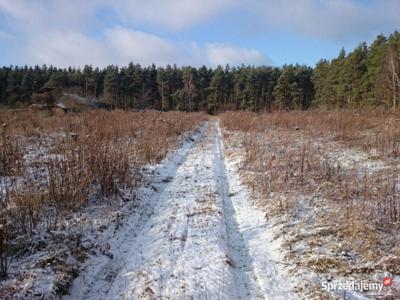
(195, 32)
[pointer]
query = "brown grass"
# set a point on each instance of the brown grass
(10, 154)
(288, 155)
(90, 153)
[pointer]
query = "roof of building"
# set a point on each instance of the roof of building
(73, 101)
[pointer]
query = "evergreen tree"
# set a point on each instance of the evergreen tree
(375, 62)
(164, 89)
(216, 95)
(27, 86)
(323, 88)
(13, 87)
(111, 84)
(368, 75)
(3, 84)
(89, 79)
(354, 76)
(287, 92)
(204, 80)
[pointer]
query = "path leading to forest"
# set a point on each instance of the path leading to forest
(195, 237)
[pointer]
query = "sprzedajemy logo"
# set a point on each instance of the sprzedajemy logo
(354, 285)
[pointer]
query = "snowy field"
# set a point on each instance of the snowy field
(199, 227)
(189, 241)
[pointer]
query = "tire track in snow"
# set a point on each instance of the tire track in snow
(247, 285)
(100, 272)
(181, 253)
(189, 241)
(258, 245)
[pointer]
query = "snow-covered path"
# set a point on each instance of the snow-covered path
(189, 241)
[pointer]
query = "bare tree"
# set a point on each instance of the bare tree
(189, 87)
(391, 74)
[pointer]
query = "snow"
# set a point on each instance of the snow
(253, 235)
(300, 234)
(196, 232)
(48, 261)
(195, 237)
(356, 159)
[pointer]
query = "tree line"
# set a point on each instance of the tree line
(369, 75)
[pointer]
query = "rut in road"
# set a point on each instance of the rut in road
(188, 246)
(244, 275)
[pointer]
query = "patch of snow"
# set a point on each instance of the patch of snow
(257, 238)
(195, 237)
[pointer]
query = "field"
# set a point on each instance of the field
(61, 175)
(174, 205)
(328, 183)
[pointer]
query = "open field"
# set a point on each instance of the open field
(64, 179)
(150, 205)
(199, 150)
(328, 183)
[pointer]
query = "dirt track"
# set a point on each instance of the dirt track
(195, 237)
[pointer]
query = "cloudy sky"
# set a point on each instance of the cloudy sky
(195, 32)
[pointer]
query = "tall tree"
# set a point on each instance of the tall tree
(27, 86)
(216, 95)
(392, 72)
(111, 84)
(189, 87)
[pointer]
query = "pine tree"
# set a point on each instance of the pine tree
(111, 84)
(3, 84)
(216, 95)
(375, 62)
(164, 89)
(27, 86)
(354, 76)
(239, 87)
(323, 88)
(57, 80)
(89, 79)
(305, 86)
(150, 86)
(287, 94)
(250, 90)
(13, 87)
(337, 86)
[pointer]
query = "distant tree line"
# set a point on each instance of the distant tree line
(367, 76)
(168, 88)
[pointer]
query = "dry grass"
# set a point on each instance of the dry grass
(292, 150)
(73, 157)
(5, 248)
(368, 130)
(342, 167)
(10, 154)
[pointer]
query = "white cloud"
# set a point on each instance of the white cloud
(122, 45)
(19, 9)
(173, 14)
(220, 54)
(41, 15)
(65, 49)
(132, 45)
(5, 36)
(71, 33)
(329, 19)
(55, 32)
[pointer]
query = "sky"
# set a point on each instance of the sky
(66, 33)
